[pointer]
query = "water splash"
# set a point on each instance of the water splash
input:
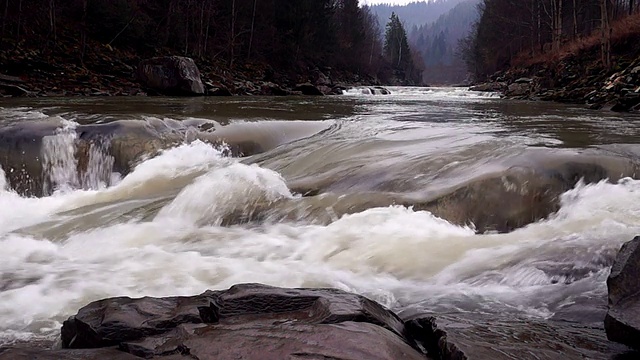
(98, 173)
(69, 164)
(59, 163)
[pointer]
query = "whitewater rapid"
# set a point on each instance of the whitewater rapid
(400, 257)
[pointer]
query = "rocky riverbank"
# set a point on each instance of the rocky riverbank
(573, 80)
(106, 71)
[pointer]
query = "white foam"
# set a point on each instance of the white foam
(236, 187)
(424, 93)
(394, 255)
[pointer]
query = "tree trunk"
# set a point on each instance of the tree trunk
(5, 18)
(19, 19)
(52, 18)
(201, 36)
(186, 28)
(557, 24)
(232, 39)
(206, 34)
(373, 42)
(575, 20)
(605, 33)
(83, 35)
(253, 21)
(631, 6)
(539, 28)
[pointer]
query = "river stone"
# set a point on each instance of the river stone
(290, 323)
(518, 89)
(308, 89)
(623, 319)
(490, 86)
(171, 75)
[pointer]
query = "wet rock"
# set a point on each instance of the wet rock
(322, 79)
(338, 90)
(261, 322)
(472, 337)
(219, 91)
(171, 75)
(13, 90)
(288, 340)
(518, 89)
(623, 319)
(308, 89)
(273, 89)
(379, 90)
(492, 86)
(517, 197)
(626, 102)
(19, 353)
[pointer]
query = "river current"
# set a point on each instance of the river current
(325, 199)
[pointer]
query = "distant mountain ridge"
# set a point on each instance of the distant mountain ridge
(416, 13)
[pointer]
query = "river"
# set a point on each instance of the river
(436, 200)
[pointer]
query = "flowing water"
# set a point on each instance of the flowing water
(325, 198)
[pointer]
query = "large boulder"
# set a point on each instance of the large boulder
(171, 75)
(248, 321)
(622, 322)
(123, 143)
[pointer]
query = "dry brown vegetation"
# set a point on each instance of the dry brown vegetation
(622, 30)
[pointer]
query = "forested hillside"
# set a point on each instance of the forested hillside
(282, 39)
(510, 33)
(437, 43)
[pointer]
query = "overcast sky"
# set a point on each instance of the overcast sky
(371, 2)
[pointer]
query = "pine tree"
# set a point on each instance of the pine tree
(396, 46)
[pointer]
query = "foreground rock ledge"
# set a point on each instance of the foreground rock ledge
(247, 321)
(623, 319)
(253, 321)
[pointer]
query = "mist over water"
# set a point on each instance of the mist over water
(193, 217)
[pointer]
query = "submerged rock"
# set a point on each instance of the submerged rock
(171, 75)
(248, 321)
(623, 319)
